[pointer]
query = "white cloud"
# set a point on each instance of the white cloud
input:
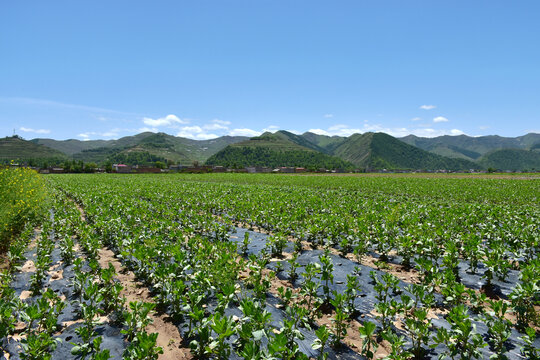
(36, 131)
(416, 118)
(337, 127)
(427, 107)
(109, 134)
(195, 132)
(189, 131)
(86, 135)
(164, 121)
(271, 128)
(113, 133)
(221, 122)
(328, 116)
(339, 130)
(439, 119)
(344, 130)
(147, 129)
(215, 126)
(319, 132)
(244, 132)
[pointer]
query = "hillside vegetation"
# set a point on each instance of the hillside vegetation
(23, 199)
(15, 148)
(240, 157)
(512, 159)
(368, 151)
(144, 148)
(470, 147)
(379, 150)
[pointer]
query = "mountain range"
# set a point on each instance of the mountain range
(368, 151)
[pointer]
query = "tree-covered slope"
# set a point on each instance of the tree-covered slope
(379, 150)
(278, 141)
(298, 140)
(327, 143)
(73, 146)
(16, 148)
(512, 159)
(142, 147)
(243, 156)
(470, 147)
(273, 150)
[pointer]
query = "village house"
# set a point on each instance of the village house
(121, 168)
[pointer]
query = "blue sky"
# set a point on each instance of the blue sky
(201, 69)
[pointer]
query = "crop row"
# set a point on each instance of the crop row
(64, 301)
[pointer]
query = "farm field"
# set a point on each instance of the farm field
(249, 266)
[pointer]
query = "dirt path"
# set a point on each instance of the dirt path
(168, 335)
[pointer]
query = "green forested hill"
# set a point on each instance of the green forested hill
(327, 143)
(143, 147)
(239, 157)
(15, 148)
(276, 141)
(379, 150)
(512, 159)
(283, 148)
(363, 151)
(471, 147)
(279, 149)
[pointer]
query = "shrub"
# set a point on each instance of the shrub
(22, 200)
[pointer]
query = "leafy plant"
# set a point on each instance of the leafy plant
(323, 334)
(224, 327)
(137, 319)
(7, 310)
(143, 347)
(462, 341)
(523, 297)
(339, 320)
(277, 243)
(369, 343)
(499, 328)
(245, 244)
(397, 343)
(384, 287)
(110, 290)
(89, 308)
(327, 276)
(66, 249)
(38, 346)
(309, 291)
(529, 349)
(293, 265)
(350, 294)
(417, 326)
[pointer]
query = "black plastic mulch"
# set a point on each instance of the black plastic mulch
(366, 301)
(112, 338)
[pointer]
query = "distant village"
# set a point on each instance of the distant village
(195, 168)
(128, 169)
